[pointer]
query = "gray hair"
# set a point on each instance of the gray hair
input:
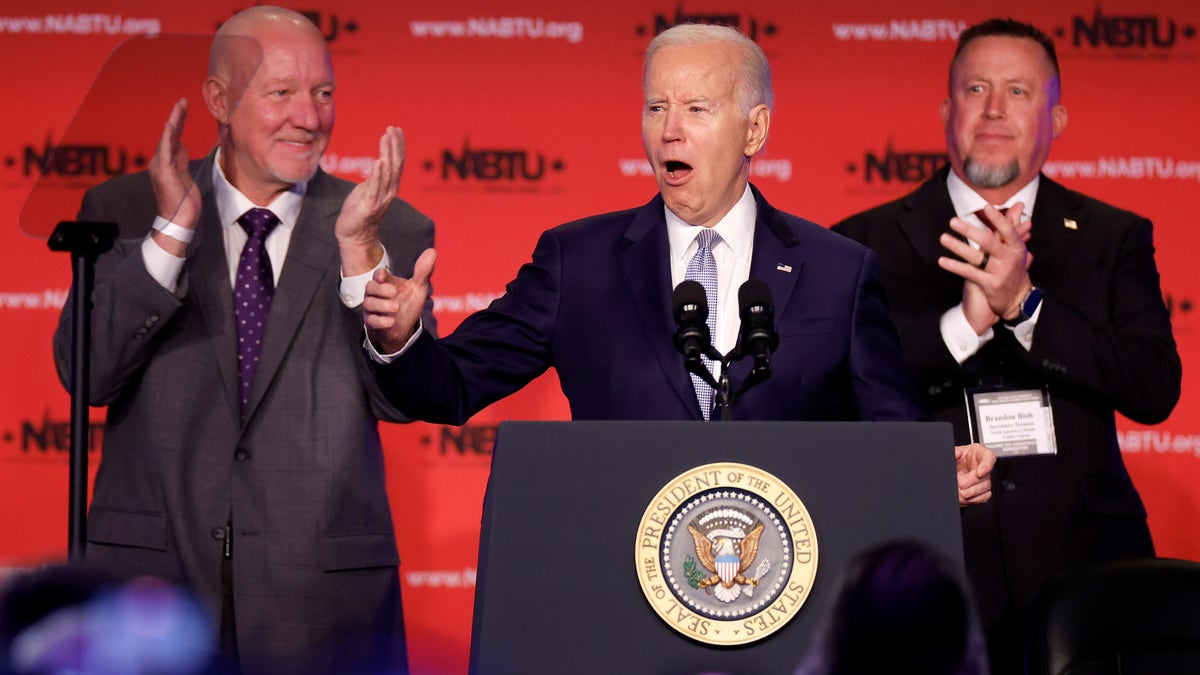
(754, 85)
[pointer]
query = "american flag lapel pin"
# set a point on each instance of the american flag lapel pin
(784, 268)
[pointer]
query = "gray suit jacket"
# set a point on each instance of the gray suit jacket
(314, 552)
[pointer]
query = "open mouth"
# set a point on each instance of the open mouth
(677, 169)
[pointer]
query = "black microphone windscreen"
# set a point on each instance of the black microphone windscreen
(690, 292)
(754, 293)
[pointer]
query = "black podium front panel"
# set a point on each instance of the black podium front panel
(558, 591)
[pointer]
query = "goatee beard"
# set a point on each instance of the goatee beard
(991, 176)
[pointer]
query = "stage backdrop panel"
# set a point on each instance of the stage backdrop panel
(522, 117)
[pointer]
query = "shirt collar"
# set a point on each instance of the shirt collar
(736, 228)
(966, 201)
(231, 203)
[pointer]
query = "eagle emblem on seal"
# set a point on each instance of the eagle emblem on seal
(726, 541)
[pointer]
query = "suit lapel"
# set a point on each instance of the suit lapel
(927, 213)
(778, 261)
(646, 271)
(775, 261)
(1053, 239)
(307, 265)
(209, 287)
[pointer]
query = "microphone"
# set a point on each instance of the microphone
(692, 338)
(758, 336)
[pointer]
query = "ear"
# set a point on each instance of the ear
(215, 92)
(944, 110)
(1058, 119)
(756, 132)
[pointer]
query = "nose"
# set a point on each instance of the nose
(996, 104)
(305, 112)
(672, 129)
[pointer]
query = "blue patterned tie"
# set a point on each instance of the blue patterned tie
(252, 293)
(703, 268)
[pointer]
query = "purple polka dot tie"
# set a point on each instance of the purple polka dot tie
(703, 268)
(252, 293)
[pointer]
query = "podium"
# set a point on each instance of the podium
(558, 586)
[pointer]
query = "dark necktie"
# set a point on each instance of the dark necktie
(703, 268)
(982, 215)
(252, 295)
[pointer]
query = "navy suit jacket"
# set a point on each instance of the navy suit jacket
(1103, 343)
(595, 304)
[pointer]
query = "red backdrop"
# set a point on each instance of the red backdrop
(520, 118)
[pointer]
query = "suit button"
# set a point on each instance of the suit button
(1008, 485)
(241, 455)
(218, 533)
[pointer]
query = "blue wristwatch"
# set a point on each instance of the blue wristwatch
(1032, 300)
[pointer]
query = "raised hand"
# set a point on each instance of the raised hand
(357, 226)
(1000, 268)
(175, 191)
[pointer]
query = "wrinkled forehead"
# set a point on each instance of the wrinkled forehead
(304, 60)
(707, 70)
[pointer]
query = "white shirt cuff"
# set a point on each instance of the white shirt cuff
(352, 290)
(1024, 330)
(163, 266)
(385, 359)
(958, 335)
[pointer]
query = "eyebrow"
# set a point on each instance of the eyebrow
(693, 99)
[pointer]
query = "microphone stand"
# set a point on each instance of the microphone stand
(693, 340)
(724, 395)
(85, 242)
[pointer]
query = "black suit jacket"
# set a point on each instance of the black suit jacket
(595, 304)
(1102, 343)
(315, 559)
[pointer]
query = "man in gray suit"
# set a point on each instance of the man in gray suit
(241, 455)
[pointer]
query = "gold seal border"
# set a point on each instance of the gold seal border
(653, 526)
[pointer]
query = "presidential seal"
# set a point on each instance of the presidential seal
(726, 553)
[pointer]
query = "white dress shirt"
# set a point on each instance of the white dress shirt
(733, 262)
(231, 204)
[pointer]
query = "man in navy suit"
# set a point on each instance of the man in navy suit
(595, 302)
(1074, 325)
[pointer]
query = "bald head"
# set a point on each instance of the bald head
(270, 88)
(237, 48)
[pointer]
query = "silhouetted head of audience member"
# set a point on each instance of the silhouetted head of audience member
(899, 608)
(78, 619)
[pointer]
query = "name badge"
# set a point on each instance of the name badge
(1012, 422)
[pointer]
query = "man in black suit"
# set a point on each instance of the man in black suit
(253, 477)
(1051, 313)
(595, 302)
